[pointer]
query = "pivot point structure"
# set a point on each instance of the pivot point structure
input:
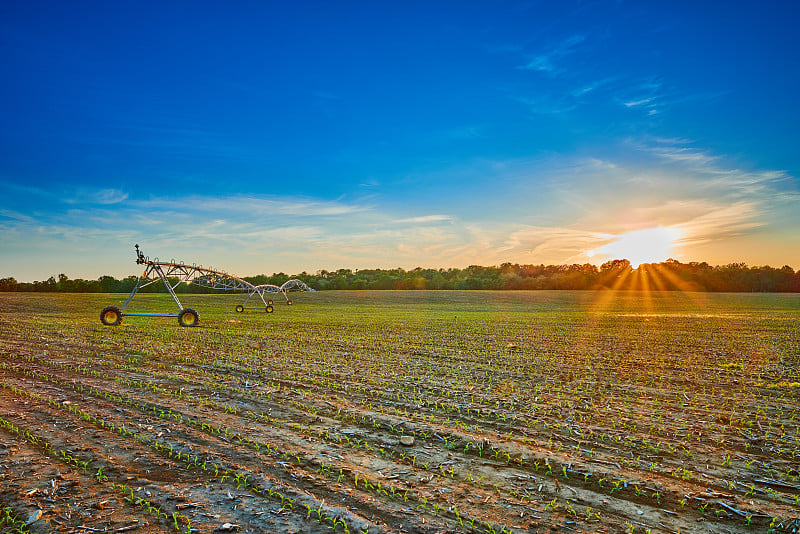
(156, 271)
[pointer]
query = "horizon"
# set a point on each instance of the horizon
(286, 138)
(318, 272)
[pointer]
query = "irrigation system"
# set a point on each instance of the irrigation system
(172, 274)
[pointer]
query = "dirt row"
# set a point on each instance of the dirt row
(401, 422)
(541, 489)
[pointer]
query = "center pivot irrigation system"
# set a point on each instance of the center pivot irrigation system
(156, 271)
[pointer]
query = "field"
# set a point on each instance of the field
(425, 412)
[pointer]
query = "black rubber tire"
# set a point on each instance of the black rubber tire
(111, 316)
(270, 301)
(289, 302)
(188, 317)
(269, 308)
(239, 308)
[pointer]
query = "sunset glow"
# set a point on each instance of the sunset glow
(363, 136)
(651, 245)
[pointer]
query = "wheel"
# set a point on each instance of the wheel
(289, 302)
(188, 317)
(111, 316)
(269, 308)
(239, 308)
(270, 301)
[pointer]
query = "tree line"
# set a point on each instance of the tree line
(670, 275)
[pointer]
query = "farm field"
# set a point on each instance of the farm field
(418, 412)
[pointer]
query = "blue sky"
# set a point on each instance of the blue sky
(296, 136)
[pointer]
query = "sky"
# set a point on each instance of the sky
(263, 137)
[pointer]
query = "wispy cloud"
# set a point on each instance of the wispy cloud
(681, 153)
(652, 97)
(101, 196)
(254, 205)
(27, 190)
(720, 222)
(636, 103)
(71, 196)
(561, 100)
(592, 87)
(109, 196)
(539, 244)
(645, 95)
(549, 105)
(548, 60)
(249, 234)
(552, 210)
(728, 180)
(425, 219)
(16, 216)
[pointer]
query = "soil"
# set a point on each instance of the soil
(583, 421)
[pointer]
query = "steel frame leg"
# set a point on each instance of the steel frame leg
(130, 297)
(253, 292)
(261, 294)
(169, 287)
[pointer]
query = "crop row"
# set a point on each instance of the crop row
(240, 479)
(551, 469)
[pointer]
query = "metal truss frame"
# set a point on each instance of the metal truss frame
(156, 271)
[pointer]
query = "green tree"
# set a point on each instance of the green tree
(8, 284)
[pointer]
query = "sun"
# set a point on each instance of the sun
(651, 245)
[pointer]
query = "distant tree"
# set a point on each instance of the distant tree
(615, 265)
(382, 281)
(338, 282)
(8, 284)
(258, 280)
(437, 281)
(278, 279)
(618, 274)
(107, 283)
(358, 283)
